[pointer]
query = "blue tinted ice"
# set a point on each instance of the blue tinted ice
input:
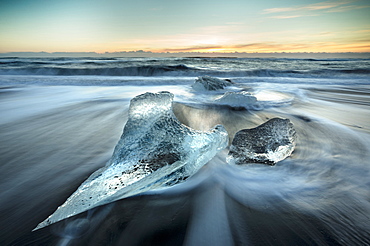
(155, 150)
(268, 143)
(238, 99)
(211, 83)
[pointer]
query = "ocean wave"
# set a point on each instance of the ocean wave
(111, 71)
(186, 67)
(177, 70)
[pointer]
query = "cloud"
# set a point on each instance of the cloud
(312, 7)
(303, 10)
(339, 46)
(326, 5)
(288, 16)
(272, 46)
(348, 8)
(249, 47)
(194, 48)
(363, 31)
(279, 10)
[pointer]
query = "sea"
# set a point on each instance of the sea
(62, 117)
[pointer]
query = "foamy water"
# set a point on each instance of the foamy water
(57, 129)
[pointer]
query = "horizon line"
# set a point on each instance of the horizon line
(192, 54)
(185, 52)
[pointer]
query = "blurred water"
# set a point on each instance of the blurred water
(52, 138)
(56, 129)
(149, 67)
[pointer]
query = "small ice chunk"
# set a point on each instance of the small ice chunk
(237, 99)
(155, 150)
(268, 143)
(211, 83)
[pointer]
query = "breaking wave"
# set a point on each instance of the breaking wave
(178, 70)
(114, 71)
(188, 67)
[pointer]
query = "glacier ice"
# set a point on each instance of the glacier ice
(210, 83)
(155, 150)
(237, 99)
(268, 143)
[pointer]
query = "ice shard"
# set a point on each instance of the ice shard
(155, 150)
(211, 83)
(268, 143)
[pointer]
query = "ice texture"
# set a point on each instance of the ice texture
(211, 83)
(155, 150)
(237, 99)
(268, 143)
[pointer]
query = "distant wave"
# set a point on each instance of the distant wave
(186, 67)
(179, 70)
(112, 71)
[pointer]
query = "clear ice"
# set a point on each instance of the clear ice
(210, 83)
(237, 99)
(268, 143)
(155, 150)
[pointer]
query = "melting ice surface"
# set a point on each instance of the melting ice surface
(237, 99)
(155, 150)
(210, 83)
(268, 143)
(237, 95)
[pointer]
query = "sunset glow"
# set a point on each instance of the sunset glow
(187, 26)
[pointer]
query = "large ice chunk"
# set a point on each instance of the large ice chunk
(211, 83)
(268, 143)
(155, 150)
(238, 99)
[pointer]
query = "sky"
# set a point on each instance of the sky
(184, 26)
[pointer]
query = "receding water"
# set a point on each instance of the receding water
(54, 137)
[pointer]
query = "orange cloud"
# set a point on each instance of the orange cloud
(277, 47)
